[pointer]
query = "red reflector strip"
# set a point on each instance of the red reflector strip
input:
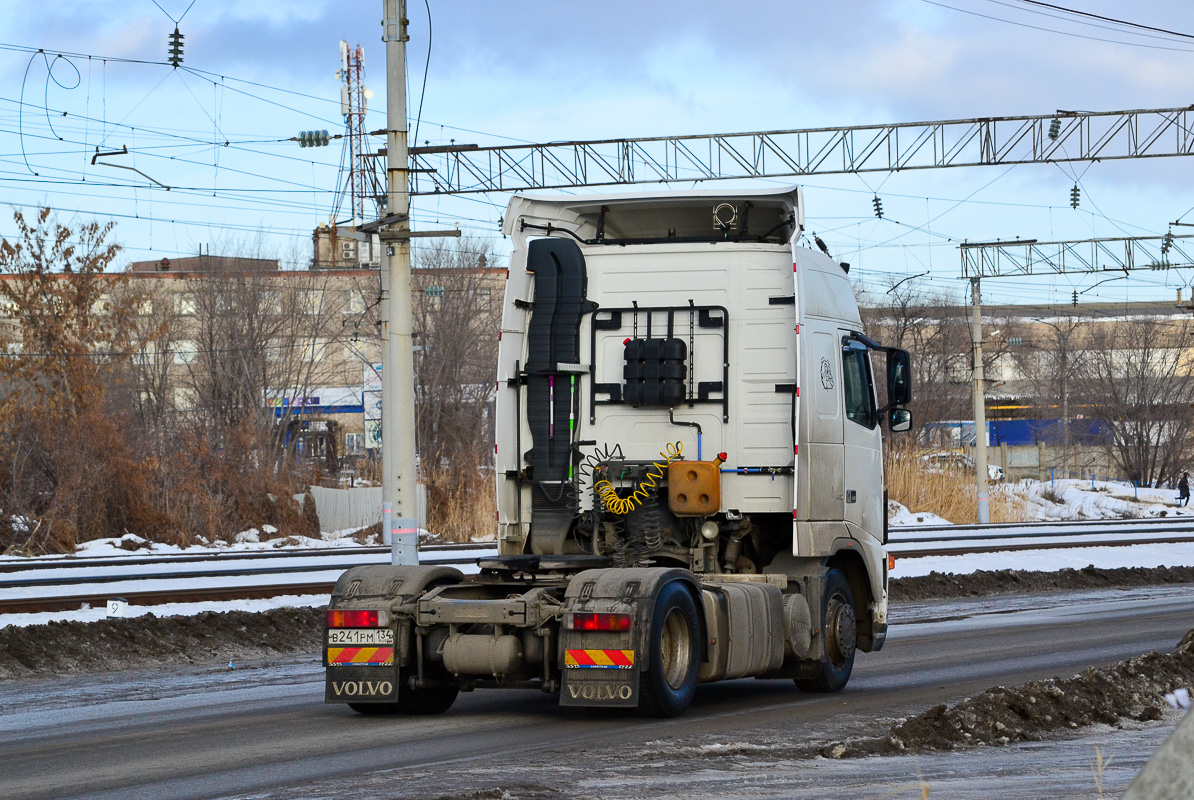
(599, 659)
(355, 618)
(372, 656)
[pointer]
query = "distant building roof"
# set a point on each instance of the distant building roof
(206, 263)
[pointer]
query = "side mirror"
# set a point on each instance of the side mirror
(899, 420)
(899, 377)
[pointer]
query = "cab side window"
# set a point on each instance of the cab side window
(858, 390)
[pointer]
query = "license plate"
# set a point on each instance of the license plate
(360, 636)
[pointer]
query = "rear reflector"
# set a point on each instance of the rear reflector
(598, 622)
(352, 618)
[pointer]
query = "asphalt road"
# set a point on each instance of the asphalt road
(264, 732)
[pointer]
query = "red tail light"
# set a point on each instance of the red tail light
(337, 618)
(599, 622)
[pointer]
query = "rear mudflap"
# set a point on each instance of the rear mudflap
(593, 686)
(361, 684)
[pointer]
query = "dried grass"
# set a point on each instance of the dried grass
(948, 491)
(461, 504)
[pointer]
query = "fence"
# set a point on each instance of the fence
(360, 507)
(341, 509)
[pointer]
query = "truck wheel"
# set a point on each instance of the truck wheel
(669, 683)
(840, 629)
(427, 701)
(413, 701)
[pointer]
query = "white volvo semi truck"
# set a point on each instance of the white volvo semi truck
(689, 472)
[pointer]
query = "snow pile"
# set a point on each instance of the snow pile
(1080, 500)
(898, 515)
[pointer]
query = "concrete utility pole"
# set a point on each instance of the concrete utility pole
(398, 477)
(980, 406)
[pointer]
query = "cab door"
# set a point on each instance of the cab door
(862, 438)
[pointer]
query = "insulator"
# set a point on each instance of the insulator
(313, 138)
(174, 51)
(1166, 242)
(878, 204)
(1075, 297)
(1075, 196)
(1054, 129)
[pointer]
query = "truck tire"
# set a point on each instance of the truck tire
(427, 701)
(840, 629)
(413, 701)
(674, 655)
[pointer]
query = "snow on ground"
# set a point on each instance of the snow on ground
(1051, 560)
(1080, 499)
(246, 541)
(1067, 501)
(252, 540)
(87, 614)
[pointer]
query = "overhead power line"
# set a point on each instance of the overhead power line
(1100, 17)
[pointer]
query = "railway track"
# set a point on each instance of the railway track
(64, 583)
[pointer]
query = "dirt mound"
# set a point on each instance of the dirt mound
(1131, 690)
(938, 585)
(137, 642)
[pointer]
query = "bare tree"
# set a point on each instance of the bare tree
(457, 308)
(457, 316)
(68, 472)
(933, 328)
(1050, 362)
(1138, 380)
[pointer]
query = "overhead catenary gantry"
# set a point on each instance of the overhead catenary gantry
(1030, 257)
(985, 141)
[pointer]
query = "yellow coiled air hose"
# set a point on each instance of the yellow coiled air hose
(624, 505)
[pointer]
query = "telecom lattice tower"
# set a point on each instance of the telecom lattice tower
(358, 166)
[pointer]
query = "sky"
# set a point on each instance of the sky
(256, 73)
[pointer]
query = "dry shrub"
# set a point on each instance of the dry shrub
(461, 503)
(74, 479)
(310, 516)
(213, 487)
(945, 490)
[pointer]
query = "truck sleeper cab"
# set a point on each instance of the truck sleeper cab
(688, 464)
